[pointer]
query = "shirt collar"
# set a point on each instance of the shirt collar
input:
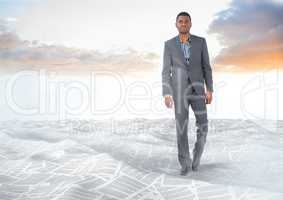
(179, 41)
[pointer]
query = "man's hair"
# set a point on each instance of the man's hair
(183, 14)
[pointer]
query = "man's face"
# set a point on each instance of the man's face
(183, 24)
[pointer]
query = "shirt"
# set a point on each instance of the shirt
(185, 48)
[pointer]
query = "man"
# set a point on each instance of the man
(186, 68)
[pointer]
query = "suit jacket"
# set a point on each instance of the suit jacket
(176, 71)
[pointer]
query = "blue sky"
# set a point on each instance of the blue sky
(233, 28)
(13, 8)
(128, 36)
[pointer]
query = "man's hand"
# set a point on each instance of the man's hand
(168, 101)
(208, 97)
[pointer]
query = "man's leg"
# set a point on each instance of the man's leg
(199, 107)
(181, 117)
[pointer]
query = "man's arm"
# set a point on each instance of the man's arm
(166, 72)
(206, 67)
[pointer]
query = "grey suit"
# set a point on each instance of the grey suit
(185, 83)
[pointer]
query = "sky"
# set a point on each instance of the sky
(105, 24)
(242, 35)
(252, 33)
(126, 38)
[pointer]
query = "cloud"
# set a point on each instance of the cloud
(35, 54)
(251, 32)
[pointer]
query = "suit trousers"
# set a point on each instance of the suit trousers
(182, 101)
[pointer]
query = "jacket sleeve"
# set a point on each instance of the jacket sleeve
(207, 71)
(166, 72)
